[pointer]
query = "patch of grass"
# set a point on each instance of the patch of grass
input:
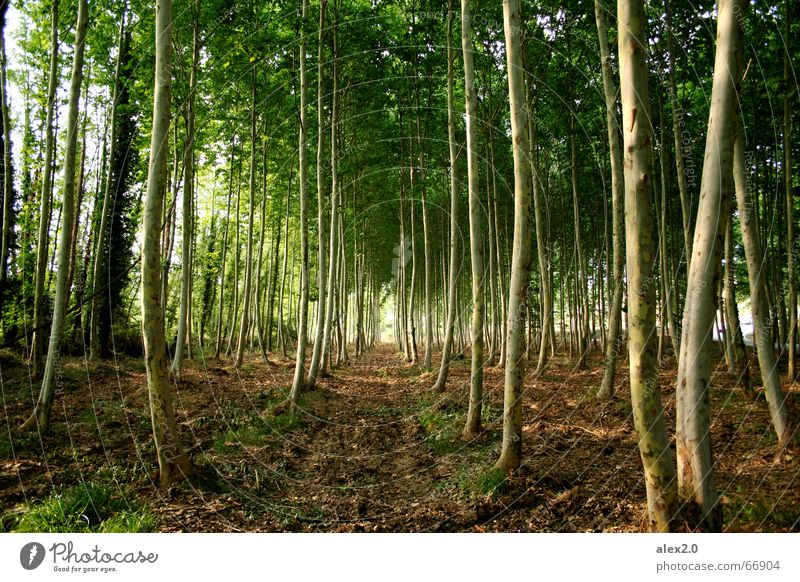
(85, 508)
(88, 417)
(257, 430)
(761, 513)
(484, 482)
(443, 430)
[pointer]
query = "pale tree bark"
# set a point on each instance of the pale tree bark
(648, 417)
(614, 341)
(668, 291)
(473, 422)
(221, 310)
(511, 453)
(173, 464)
(791, 372)
(501, 270)
(333, 246)
(444, 368)
(188, 196)
(494, 335)
(581, 287)
(298, 384)
(258, 314)
(316, 354)
(541, 245)
(45, 208)
(427, 365)
(281, 322)
(248, 263)
(693, 441)
(41, 414)
(759, 300)
(732, 317)
(236, 260)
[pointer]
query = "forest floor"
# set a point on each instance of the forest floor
(372, 449)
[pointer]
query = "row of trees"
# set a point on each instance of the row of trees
(506, 240)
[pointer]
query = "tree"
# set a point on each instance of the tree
(173, 464)
(316, 354)
(788, 100)
(511, 452)
(613, 342)
(45, 206)
(41, 413)
(695, 464)
(248, 263)
(188, 199)
(298, 383)
(759, 302)
(473, 423)
(333, 246)
(447, 347)
(648, 414)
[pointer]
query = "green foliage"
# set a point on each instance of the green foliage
(257, 430)
(85, 508)
(477, 481)
(442, 429)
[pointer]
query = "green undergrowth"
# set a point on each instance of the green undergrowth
(85, 508)
(252, 430)
(479, 481)
(760, 514)
(442, 426)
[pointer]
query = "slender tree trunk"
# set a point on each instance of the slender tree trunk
(79, 188)
(298, 383)
(693, 443)
(511, 453)
(334, 229)
(541, 242)
(732, 316)
(615, 340)
(221, 311)
(444, 368)
(173, 464)
(473, 422)
(501, 271)
(41, 414)
(188, 197)
(759, 301)
(45, 209)
(316, 355)
(427, 363)
(493, 299)
(281, 323)
(581, 289)
(273, 265)
(248, 264)
(791, 370)
(236, 260)
(648, 415)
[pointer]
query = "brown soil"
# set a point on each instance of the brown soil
(372, 449)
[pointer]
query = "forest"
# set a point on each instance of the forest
(399, 266)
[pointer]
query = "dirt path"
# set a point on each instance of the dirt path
(372, 449)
